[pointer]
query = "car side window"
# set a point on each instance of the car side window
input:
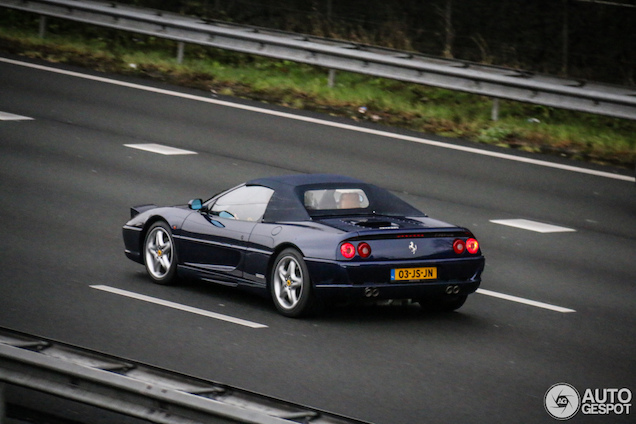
(247, 203)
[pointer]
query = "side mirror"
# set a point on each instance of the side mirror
(195, 204)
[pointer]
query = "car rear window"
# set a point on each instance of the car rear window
(336, 198)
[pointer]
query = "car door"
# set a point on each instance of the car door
(215, 240)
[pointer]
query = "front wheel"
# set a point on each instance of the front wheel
(290, 286)
(159, 254)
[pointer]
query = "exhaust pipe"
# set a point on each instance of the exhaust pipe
(452, 290)
(371, 292)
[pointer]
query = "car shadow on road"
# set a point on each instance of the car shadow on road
(397, 311)
(389, 311)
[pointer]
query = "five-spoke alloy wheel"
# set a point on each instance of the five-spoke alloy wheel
(159, 254)
(290, 285)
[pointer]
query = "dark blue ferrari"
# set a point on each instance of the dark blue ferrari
(306, 240)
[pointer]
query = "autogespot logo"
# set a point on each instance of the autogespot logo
(562, 401)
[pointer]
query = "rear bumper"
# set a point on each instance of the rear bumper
(414, 291)
(351, 280)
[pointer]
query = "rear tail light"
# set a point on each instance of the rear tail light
(472, 246)
(459, 246)
(348, 250)
(364, 250)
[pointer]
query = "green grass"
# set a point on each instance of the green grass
(421, 108)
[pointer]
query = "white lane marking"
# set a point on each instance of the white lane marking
(180, 307)
(525, 301)
(161, 149)
(5, 116)
(526, 224)
(329, 123)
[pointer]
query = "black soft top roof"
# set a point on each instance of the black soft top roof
(286, 203)
(287, 181)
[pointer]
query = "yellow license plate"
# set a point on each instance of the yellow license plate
(399, 274)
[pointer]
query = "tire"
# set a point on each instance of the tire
(160, 256)
(444, 303)
(290, 285)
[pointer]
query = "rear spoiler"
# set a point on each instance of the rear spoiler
(136, 210)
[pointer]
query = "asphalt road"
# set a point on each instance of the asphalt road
(68, 178)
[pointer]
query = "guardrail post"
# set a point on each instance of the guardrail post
(42, 32)
(180, 49)
(332, 78)
(494, 113)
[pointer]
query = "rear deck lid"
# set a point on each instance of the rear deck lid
(400, 238)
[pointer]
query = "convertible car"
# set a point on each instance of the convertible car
(306, 240)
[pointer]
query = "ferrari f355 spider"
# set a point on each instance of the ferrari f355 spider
(309, 239)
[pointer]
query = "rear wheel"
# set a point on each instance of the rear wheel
(444, 303)
(159, 254)
(290, 286)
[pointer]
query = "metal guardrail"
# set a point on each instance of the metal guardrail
(139, 390)
(492, 81)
